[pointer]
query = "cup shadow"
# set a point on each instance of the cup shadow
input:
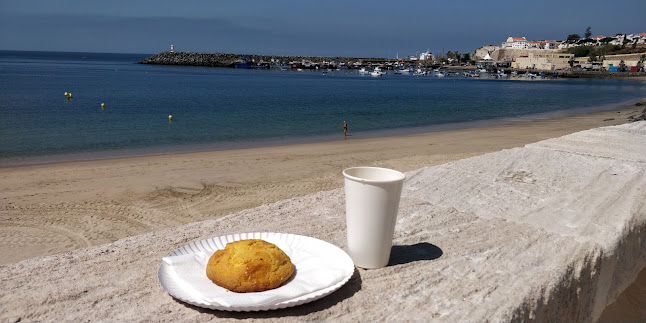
(400, 255)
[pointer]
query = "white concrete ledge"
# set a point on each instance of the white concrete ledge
(553, 231)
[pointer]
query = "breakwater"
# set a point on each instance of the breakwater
(267, 61)
(228, 60)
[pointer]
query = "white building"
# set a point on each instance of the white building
(516, 43)
(426, 56)
(642, 38)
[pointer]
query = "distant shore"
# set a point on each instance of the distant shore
(265, 61)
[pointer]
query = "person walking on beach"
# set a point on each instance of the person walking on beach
(345, 129)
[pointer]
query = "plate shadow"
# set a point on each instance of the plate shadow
(346, 291)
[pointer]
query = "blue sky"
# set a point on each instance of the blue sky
(323, 28)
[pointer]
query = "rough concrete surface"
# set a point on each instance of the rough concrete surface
(553, 231)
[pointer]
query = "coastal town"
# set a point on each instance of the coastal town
(574, 53)
(577, 56)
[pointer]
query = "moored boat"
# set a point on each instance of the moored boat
(242, 62)
(377, 72)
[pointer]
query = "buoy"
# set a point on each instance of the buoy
(65, 93)
(69, 95)
(170, 117)
(103, 105)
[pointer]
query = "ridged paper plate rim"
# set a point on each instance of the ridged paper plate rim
(171, 283)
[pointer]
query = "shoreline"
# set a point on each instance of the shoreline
(23, 161)
(230, 60)
(79, 204)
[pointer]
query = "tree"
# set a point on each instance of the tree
(467, 57)
(573, 38)
(640, 64)
(588, 32)
(625, 41)
(580, 51)
(607, 40)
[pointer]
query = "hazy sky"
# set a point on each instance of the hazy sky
(323, 28)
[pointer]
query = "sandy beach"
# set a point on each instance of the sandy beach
(52, 208)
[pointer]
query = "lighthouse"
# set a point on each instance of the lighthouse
(172, 48)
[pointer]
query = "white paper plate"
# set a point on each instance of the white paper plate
(196, 289)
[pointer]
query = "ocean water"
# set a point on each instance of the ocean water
(220, 108)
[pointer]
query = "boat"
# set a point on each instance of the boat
(363, 70)
(440, 74)
(260, 66)
(242, 62)
(377, 72)
(420, 71)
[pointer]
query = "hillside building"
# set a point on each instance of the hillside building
(543, 61)
(630, 60)
(515, 43)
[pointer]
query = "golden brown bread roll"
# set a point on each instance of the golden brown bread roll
(249, 266)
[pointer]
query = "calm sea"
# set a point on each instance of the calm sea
(220, 108)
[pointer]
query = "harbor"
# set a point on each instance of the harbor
(368, 66)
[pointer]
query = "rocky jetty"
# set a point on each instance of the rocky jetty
(228, 60)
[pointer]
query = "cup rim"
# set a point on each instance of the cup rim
(399, 175)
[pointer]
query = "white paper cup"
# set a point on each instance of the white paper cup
(371, 203)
